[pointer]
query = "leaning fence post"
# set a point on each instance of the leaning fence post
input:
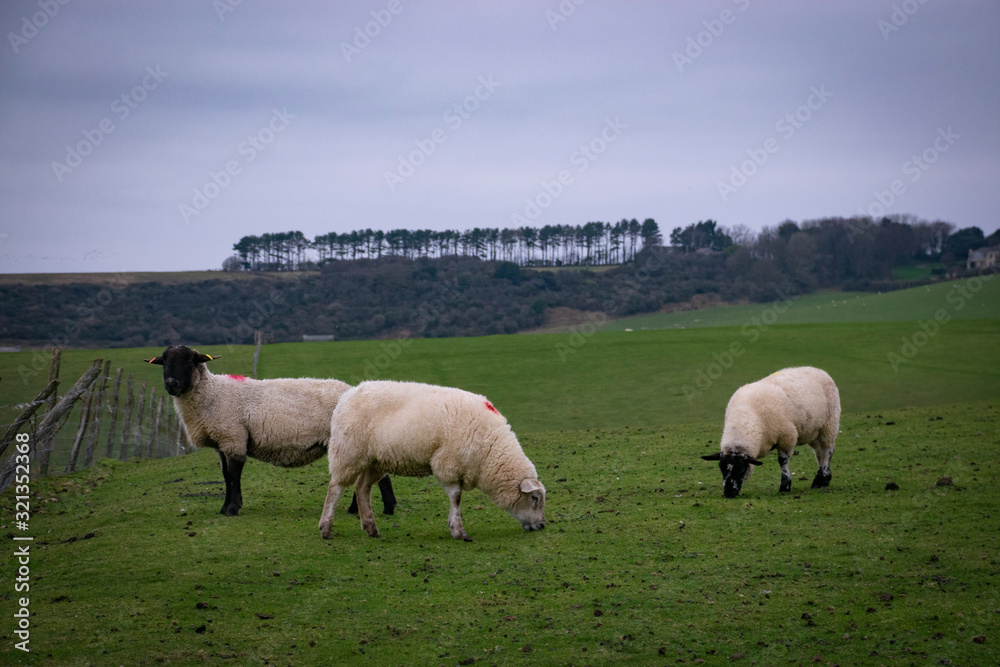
(50, 423)
(22, 419)
(113, 410)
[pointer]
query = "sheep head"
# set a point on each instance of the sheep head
(529, 508)
(179, 364)
(735, 467)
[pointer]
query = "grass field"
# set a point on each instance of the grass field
(966, 299)
(643, 560)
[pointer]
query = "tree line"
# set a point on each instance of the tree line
(590, 244)
(395, 296)
(866, 245)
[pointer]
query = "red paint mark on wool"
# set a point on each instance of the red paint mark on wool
(238, 378)
(489, 406)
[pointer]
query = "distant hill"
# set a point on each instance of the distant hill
(389, 297)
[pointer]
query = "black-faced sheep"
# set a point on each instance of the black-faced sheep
(285, 422)
(412, 429)
(794, 406)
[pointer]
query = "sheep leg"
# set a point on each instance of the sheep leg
(232, 471)
(326, 519)
(824, 453)
(454, 492)
(388, 497)
(363, 491)
(786, 476)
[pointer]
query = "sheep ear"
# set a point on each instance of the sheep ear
(155, 360)
(205, 358)
(529, 485)
(755, 462)
(713, 457)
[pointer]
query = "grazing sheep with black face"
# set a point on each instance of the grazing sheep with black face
(285, 422)
(794, 406)
(413, 429)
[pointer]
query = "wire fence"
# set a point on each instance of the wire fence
(103, 415)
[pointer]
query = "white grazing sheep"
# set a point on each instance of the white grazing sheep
(413, 429)
(285, 422)
(794, 406)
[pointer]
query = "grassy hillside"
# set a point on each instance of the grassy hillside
(643, 560)
(973, 298)
(616, 379)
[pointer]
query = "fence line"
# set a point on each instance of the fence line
(66, 429)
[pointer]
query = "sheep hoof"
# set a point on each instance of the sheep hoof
(821, 481)
(229, 510)
(388, 509)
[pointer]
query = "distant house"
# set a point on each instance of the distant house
(983, 258)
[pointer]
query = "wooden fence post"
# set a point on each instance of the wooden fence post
(95, 415)
(11, 432)
(113, 411)
(139, 413)
(43, 448)
(51, 422)
(81, 430)
(180, 447)
(155, 446)
(127, 426)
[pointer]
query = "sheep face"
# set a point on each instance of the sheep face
(736, 468)
(530, 506)
(179, 364)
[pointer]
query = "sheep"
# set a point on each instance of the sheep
(285, 422)
(791, 407)
(414, 429)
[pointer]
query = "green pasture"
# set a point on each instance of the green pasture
(643, 560)
(588, 379)
(971, 298)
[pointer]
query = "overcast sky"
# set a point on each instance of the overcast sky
(153, 135)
